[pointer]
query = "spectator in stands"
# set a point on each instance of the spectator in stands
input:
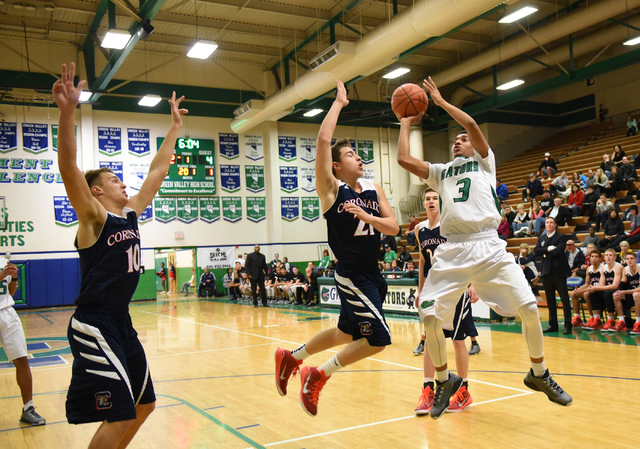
(503, 228)
(312, 282)
(508, 212)
(520, 221)
(403, 257)
(577, 180)
(324, 262)
(575, 257)
(602, 113)
(613, 229)
(285, 263)
(633, 236)
(227, 281)
(189, 283)
(387, 266)
(606, 165)
(274, 263)
(207, 281)
(409, 234)
(546, 203)
(616, 182)
(547, 167)
(389, 254)
(584, 180)
(600, 181)
(591, 180)
(502, 190)
(411, 270)
(533, 188)
(575, 200)
(389, 240)
(394, 266)
(536, 217)
(624, 250)
(526, 259)
(559, 186)
(590, 201)
(560, 213)
(594, 273)
(617, 155)
(628, 171)
(591, 238)
(632, 126)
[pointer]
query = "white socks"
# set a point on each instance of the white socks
(300, 353)
(330, 366)
(538, 369)
(27, 405)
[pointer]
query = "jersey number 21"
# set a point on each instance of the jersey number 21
(364, 229)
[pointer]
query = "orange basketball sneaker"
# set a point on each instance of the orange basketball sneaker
(286, 366)
(425, 402)
(609, 325)
(576, 322)
(636, 328)
(461, 400)
(312, 382)
(621, 326)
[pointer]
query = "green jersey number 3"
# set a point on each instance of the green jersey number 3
(464, 190)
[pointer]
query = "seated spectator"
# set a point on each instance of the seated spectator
(592, 279)
(245, 286)
(617, 155)
(574, 256)
(632, 126)
(591, 238)
(602, 113)
(324, 262)
(590, 201)
(536, 217)
(502, 191)
(412, 271)
(389, 240)
(590, 180)
(526, 259)
(533, 187)
(509, 213)
(575, 200)
(403, 257)
(607, 165)
(207, 280)
(633, 236)
(189, 283)
(547, 167)
(560, 213)
(389, 254)
(577, 180)
(546, 203)
(560, 185)
(520, 221)
(600, 181)
(503, 228)
(624, 250)
(230, 285)
(616, 182)
(394, 266)
(387, 266)
(628, 171)
(613, 229)
(297, 288)
(624, 297)
(409, 234)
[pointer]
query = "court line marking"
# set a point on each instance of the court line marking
(384, 422)
(206, 350)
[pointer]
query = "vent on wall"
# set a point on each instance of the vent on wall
(333, 56)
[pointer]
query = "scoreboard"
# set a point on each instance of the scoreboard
(192, 170)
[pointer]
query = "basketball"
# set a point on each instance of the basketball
(409, 100)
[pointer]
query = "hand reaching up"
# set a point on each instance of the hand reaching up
(65, 94)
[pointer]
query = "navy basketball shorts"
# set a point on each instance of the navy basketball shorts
(110, 374)
(628, 301)
(463, 325)
(361, 316)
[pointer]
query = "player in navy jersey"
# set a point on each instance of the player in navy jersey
(110, 380)
(357, 211)
(623, 298)
(593, 278)
(428, 239)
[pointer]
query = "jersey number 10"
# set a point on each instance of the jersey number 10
(133, 256)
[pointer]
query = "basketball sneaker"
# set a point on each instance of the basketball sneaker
(425, 402)
(596, 324)
(419, 349)
(548, 386)
(475, 348)
(312, 382)
(461, 400)
(589, 324)
(609, 325)
(444, 391)
(576, 322)
(30, 416)
(621, 326)
(636, 328)
(286, 366)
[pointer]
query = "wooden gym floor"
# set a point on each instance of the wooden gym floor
(213, 370)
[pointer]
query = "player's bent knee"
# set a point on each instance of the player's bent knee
(145, 409)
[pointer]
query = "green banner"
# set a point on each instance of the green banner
(232, 208)
(256, 208)
(165, 209)
(187, 209)
(54, 136)
(310, 208)
(210, 209)
(365, 151)
(254, 177)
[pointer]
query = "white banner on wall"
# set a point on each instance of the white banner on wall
(217, 257)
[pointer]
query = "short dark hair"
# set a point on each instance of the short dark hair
(464, 131)
(597, 251)
(93, 176)
(335, 151)
(634, 207)
(551, 218)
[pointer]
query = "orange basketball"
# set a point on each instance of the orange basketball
(409, 100)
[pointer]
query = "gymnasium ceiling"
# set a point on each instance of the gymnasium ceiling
(271, 35)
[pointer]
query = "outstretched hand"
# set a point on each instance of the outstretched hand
(341, 94)
(411, 120)
(65, 94)
(431, 87)
(176, 112)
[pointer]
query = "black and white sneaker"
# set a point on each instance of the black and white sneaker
(475, 348)
(548, 386)
(444, 391)
(30, 416)
(419, 349)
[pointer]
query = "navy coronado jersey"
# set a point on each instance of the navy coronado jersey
(429, 241)
(355, 243)
(609, 274)
(595, 275)
(633, 280)
(110, 268)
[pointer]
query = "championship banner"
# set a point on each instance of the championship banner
(308, 179)
(8, 137)
(65, 215)
(54, 136)
(115, 167)
(290, 208)
(289, 179)
(254, 177)
(209, 209)
(230, 178)
(310, 208)
(136, 174)
(187, 209)
(35, 137)
(308, 149)
(229, 146)
(369, 173)
(3, 214)
(232, 208)
(220, 257)
(365, 151)
(256, 208)
(109, 141)
(287, 148)
(352, 143)
(400, 298)
(139, 141)
(253, 148)
(146, 214)
(165, 209)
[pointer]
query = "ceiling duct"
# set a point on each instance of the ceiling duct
(332, 57)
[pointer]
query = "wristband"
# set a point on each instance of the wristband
(14, 279)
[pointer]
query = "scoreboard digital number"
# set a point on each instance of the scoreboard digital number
(192, 170)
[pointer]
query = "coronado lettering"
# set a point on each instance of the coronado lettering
(121, 236)
(365, 204)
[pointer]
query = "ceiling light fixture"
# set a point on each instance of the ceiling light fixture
(202, 49)
(519, 14)
(634, 41)
(510, 85)
(396, 73)
(84, 96)
(312, 113)
(150, 100)
(116, 39)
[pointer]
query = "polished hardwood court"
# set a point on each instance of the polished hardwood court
(212, 364)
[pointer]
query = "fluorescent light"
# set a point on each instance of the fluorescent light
(116, 39)
(84, 96)
(634, 41)
(150, 100)
(202, 49)
(519, 14)
(396, 73)
(312, 113)
(510, 84)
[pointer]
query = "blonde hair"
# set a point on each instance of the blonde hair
(526, 245)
